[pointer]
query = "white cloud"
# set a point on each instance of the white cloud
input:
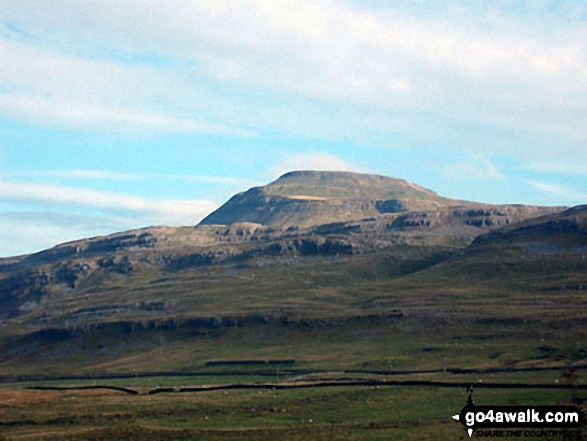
(44, 229)
(472, 169)
(96, 116)
(223, 180)
(116, 176)
(560, 191)
(472, 65)
(78, 174)
(560, 167)
(44, 215)
(311, 161)
(39, 237)
(153, 211)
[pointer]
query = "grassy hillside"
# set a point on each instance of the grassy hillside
(499, 302)
(508, 308)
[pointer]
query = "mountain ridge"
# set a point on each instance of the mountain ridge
(33, 283)
(310, 198)
(497, 276)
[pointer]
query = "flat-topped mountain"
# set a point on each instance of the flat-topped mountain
(305, 198)
(345, 251)
(309, 198)
(302, 215)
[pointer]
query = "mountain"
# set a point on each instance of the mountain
(308, 198)
(538, 265)
(52, 279)
(360, 249)
(305, 198)
(556, 234)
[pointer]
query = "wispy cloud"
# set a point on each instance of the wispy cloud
(473, 169)
(44, 229)
(559, 167)
(259, 64)
(560, 191)
(223, 180)
(480, 78)
(46, 215)
(165, 211)
(60, 220)
(77, 174)
(116, 176)
(312, 161)
(95, 116)
(39, 236)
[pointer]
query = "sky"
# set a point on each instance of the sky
(119, 115)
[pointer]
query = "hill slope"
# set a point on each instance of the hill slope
(256, 290)
(307, 198)
(55, 283)
(516, 296)
(534, 271)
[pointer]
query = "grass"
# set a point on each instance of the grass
(407, 343)
(487, 308)
(366, 413)
(263, 286)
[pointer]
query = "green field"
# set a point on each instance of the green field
(351, 413)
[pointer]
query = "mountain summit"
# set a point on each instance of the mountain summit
(306, 198)
(373, 228)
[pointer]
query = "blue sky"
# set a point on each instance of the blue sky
(117, 115)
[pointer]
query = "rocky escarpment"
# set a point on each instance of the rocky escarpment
(467, 219)
(28, 281)
(302, 215)
(556, 233)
